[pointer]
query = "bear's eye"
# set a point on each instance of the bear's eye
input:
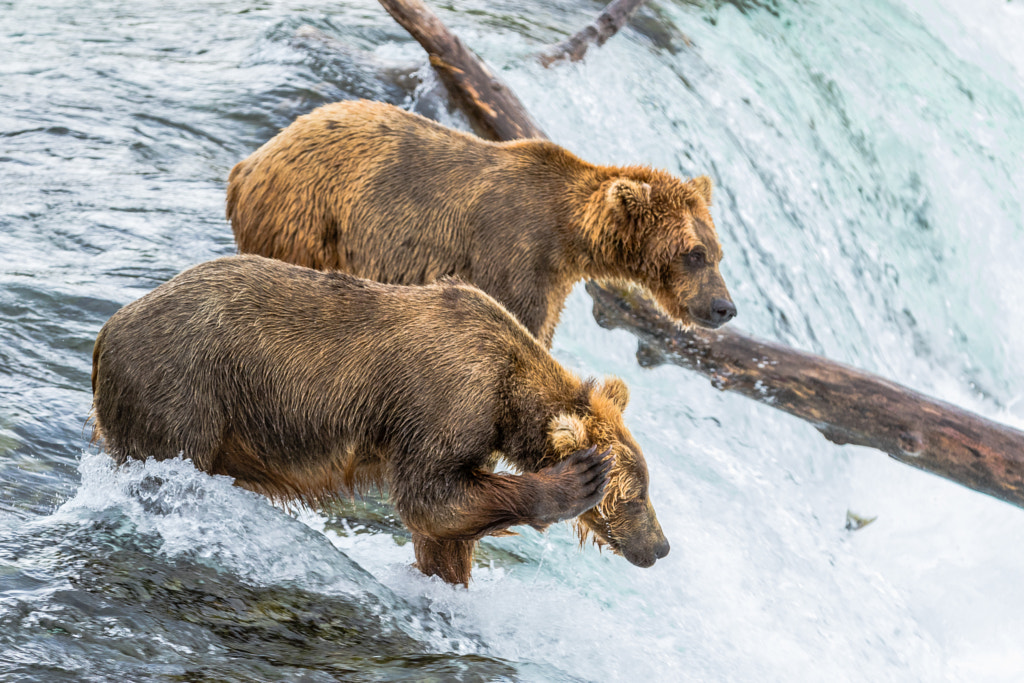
(696, 258)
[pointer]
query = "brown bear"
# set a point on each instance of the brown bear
(378, 192)
(307, 385)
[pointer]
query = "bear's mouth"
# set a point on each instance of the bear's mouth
(640, 560)
(637, 555)
(707, 323)
(637, 559)
(603, 531)
(687, 319)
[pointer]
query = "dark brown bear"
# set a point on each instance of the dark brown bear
(308, 385)
(381, 193)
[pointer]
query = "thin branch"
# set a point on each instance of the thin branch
(607, 24)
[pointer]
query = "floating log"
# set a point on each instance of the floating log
(607, 24)
(847, 405)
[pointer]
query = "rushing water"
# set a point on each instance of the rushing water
(867, 160)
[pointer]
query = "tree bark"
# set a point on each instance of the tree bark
(492, 108)
(848, 406)
(607, 24)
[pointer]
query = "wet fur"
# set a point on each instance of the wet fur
(381, 193)
(308, 385)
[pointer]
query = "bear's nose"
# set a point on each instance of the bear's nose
(661, 550)
(722, 311)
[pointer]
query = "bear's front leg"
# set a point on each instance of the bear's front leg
(491, 502)
(569, 488)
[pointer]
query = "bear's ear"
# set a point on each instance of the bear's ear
(616, 391)
(631, 196)
(567, 433)
(703, 185)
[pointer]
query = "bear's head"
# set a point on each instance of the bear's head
(624, 520)
(657, 230)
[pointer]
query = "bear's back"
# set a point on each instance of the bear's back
(247, 337)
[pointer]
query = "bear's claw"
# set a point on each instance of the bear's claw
(574, 485)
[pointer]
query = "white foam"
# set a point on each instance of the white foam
(208, 519)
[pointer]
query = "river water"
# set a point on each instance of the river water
(867, 161)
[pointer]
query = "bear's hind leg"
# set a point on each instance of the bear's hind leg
(451, 560)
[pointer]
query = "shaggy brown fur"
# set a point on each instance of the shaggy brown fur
(309, 385)
(381, 193)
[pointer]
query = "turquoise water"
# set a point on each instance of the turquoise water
(867, 161)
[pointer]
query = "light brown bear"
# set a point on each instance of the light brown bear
(375, 191)
(309, 385)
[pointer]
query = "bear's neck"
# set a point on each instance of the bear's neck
(591, 237)
(536, 389)
(602, 246)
